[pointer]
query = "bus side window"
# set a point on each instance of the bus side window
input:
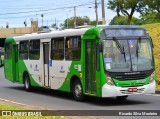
(72, 48)
(34, 52)
(57, 49)
(8, 50)
(23, 52)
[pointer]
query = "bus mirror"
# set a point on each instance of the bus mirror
(151, 42)
(99, 47)
(98, 50)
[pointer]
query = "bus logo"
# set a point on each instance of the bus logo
(36, 68)
(61, 70)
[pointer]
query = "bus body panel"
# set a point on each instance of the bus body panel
(9, 64)
(112, 91)
(59, 73)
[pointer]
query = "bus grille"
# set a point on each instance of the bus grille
(131, 77)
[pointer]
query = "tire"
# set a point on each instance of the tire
(78, 91)
(27, 84)
(122, 97)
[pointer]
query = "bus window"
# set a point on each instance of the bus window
(72, 48)
(23, 50)
(8, 50)
(57, 49)
(34, 52)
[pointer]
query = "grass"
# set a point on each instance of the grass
(154, 31)
(7, 107)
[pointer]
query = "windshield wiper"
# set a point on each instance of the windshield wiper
(137, 47)
(120, 48)
(118, 45)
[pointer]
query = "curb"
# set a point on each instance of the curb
(30, 107)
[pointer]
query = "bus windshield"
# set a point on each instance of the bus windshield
(136, 55)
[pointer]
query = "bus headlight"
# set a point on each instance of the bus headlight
(109, 80)
(151, 78)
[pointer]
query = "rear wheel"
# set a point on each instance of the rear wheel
(78, 91)
(27, 84)
(122, 97)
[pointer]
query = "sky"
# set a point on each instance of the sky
(15, 12)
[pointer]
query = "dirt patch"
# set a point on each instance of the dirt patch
(11, 103)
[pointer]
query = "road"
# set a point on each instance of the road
(64, 101)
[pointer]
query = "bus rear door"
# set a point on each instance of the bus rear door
(46, 64)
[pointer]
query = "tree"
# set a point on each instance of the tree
(150, 17)
(153, 7)
(80, 21)
(53, 25)
(69, 23)
(122, 20)
(126, 7)
(94, 22)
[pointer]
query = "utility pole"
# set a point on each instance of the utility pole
(96, 10)
(42, 19)
(67, 20)
(55, 21)
(103, 13)
(74, 16)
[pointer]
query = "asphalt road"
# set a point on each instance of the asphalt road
(64, 101)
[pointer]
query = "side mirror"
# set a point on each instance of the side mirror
(99, 47)
(151, 42)
(98, 50)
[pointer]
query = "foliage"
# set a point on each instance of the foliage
(126, 7)
(122, 20)
(53, 25)
(153, 5)
(150, 17)
(154, 31)
(69, 23)
(94, 22)
(80, 21)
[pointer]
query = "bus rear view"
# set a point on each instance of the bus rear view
(128, 61)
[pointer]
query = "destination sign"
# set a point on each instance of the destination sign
(124, 32)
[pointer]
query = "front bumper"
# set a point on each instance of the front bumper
(112, 91)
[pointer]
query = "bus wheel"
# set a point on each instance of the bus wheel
(121, 97)
(27, 84)
(78, 91)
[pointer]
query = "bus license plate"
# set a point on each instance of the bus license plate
(132, 89)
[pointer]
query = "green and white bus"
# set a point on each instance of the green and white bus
(102, 61)
(1, 56)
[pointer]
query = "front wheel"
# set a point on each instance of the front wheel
(78, 91)
(122, 97)
(27, 84)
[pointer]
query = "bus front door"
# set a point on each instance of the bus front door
(90, 66)
(46, 64)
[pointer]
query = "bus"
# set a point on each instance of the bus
(1, 56)
(101, 61)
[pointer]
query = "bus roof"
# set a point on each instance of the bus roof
(63, 33)
(70, 32)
